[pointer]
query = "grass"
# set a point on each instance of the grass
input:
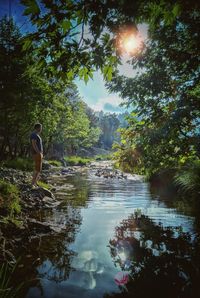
(55, 163)
(82, 161)
(77, 161)
(44, 185)
(103, 157)
(24, 164)
(9, 198)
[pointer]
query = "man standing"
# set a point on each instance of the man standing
(37, 151)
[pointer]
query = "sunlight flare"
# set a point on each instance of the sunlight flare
(129, 42)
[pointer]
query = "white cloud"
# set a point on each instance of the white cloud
(109, 103)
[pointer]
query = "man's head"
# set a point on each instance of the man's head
(38, 127)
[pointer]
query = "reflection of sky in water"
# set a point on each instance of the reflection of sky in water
(109, 203)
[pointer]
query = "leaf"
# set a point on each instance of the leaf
(84, 74)
(70, 75)
(31, 7)
(27, 44)
(107, 71)
(66, 25)
(86, 78)
(176, 10)
(90, 73)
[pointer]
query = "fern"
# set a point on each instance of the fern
(188, 179)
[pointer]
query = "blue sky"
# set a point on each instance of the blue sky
(94, 93)
(97, 96)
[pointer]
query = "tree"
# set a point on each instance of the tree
(78, 37)
(14, 88)
(109, 124)
(28, 96)
(79, 133)
(163, 129)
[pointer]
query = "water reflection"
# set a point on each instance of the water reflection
(161, 262)
(163, 190)
(48, 257)
(77, 261)
(87, 266)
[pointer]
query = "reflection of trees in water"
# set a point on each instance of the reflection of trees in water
(79, 195)
(162, 188)
(49, 256)
(162, 262)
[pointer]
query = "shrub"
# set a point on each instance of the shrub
(77, 161)
(24, 164)
(55, 163)
(43, 184)
(9, 198)
(103, 157)
(188, 178)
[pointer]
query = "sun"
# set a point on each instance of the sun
(129, 42)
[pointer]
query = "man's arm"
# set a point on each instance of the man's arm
(35, 147)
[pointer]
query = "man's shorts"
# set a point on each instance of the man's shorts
(38, 161)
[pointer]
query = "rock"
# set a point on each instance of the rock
(38, 225)
(107, 172)
(14, 176)
(44, 227)
(41, 192)
(49, 202)
(46, 165)
(39, 197)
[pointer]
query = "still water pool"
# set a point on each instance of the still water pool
(111, 226)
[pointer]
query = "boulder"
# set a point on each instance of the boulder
(39, 197)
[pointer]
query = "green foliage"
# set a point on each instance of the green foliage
(9, 198)
(78, 131)
(31, 7)
(23, 164)
(55, 103)
(43, 185)
(163, 127)
(103, 157)
(77, 161)
(55, 163)
(127, 159)
(61, 41)
(188, 178)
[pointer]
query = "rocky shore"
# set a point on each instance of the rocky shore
(25, 225)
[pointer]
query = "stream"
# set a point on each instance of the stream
(109, 226)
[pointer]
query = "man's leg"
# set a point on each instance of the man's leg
(35, 177)
(38, 167)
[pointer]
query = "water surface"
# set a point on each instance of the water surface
(109, 226)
